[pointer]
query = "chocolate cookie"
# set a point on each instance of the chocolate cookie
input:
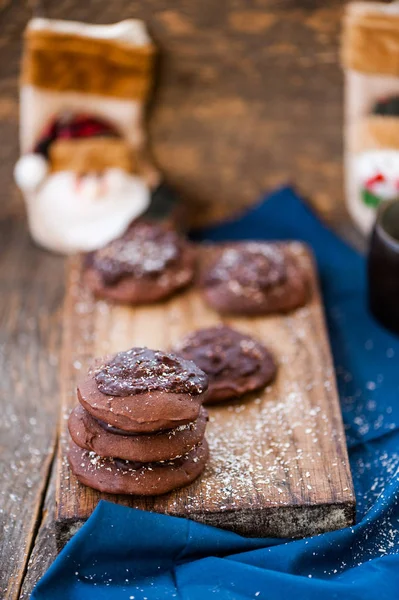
(234, 362)
(148, 263)
(116, 476)
(143, 390)
(105, 440)
(255, 278)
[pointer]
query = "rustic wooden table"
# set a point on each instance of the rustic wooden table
(249, 97)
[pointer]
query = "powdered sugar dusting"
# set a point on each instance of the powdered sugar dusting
(146, 249)
(249, 266)
(281, 448)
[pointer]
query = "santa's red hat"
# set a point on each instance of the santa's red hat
(32, 168)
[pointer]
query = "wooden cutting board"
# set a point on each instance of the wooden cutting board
(279, 465)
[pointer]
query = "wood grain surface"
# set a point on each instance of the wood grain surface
(278, 466)
(44, 549)
(248, 96)
(30, 338)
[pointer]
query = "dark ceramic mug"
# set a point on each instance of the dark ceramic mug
(383, 266)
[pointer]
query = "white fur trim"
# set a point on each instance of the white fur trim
(132, 32)
(30, 171)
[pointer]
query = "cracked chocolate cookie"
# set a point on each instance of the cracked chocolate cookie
(117, 476)
(142, 390)
(254, 278)
(234, 362)
(150, 262)
(108, 441)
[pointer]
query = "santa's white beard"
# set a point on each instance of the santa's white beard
(69, 214)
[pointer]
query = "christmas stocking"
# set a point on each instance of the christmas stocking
(84, 171)
(371, 60)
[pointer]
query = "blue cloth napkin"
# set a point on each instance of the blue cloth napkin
(126, 554)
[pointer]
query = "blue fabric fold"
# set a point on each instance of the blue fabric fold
(122, 553)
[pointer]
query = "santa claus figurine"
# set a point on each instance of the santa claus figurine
(83, 171)
(79, 189)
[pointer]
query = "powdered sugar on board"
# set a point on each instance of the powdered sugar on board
(278, 462)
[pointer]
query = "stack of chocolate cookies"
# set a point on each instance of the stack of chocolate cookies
(140, 425)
